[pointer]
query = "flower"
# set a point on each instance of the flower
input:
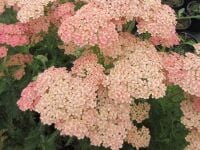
(138, 74)
(196, 104)
(2, 5)
(3, 51)
(140, 112)
(87, 67)
(161, 23)
(193, 138)
(13, 34)
(20, 34)
(190, 116)
(29, 9)
(78, 107)
(61, 12)
(19, 60)
(96, 23)
(138, 137)
(29, 97)
(86, 28)
(184, 71)
(173, 64)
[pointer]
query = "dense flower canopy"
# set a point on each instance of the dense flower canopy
(105, 93)
(95, 23)
(79, 106)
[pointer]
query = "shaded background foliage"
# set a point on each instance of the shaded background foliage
(23, 130)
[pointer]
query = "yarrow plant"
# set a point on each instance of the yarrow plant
(106, 93)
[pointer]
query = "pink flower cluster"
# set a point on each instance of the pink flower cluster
(28, 98)
(138, 137)
(19, 60)
(161, 23)
(137, 74)
(90, 100)
(37, 26)
(23, 33)
(13, 34)
(183, 71)
(193, 138)
(191, 121)
(29, 9)
(96, 23)
(61, 12)
(173, 64)
(3, 51)
(140, 112)
(89, 26)
(78, 104)
(196, 104)
(87, 67)
(190, 116)
(2, 6)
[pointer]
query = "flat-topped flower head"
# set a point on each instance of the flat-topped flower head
(140, 112)
(29, 9)
(161, 24)
(87, 67)
(96, 23)
(138, 137)
(190, 116)
(13, 34)
(138, 74)
(183, 71)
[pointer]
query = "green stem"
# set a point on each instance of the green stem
(189, 17)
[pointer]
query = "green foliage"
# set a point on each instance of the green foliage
(129, 27)
(167, 132)
(8, 17)
(186, 45)
(38, 139)
(2, 138)
(23, 130)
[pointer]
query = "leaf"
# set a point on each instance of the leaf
(181, 12)
(49, 142)
(8, 17)
(167, 132)
(32, 141)
(42, 58)
(2, 138)
(129, 26)
(3, 85)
